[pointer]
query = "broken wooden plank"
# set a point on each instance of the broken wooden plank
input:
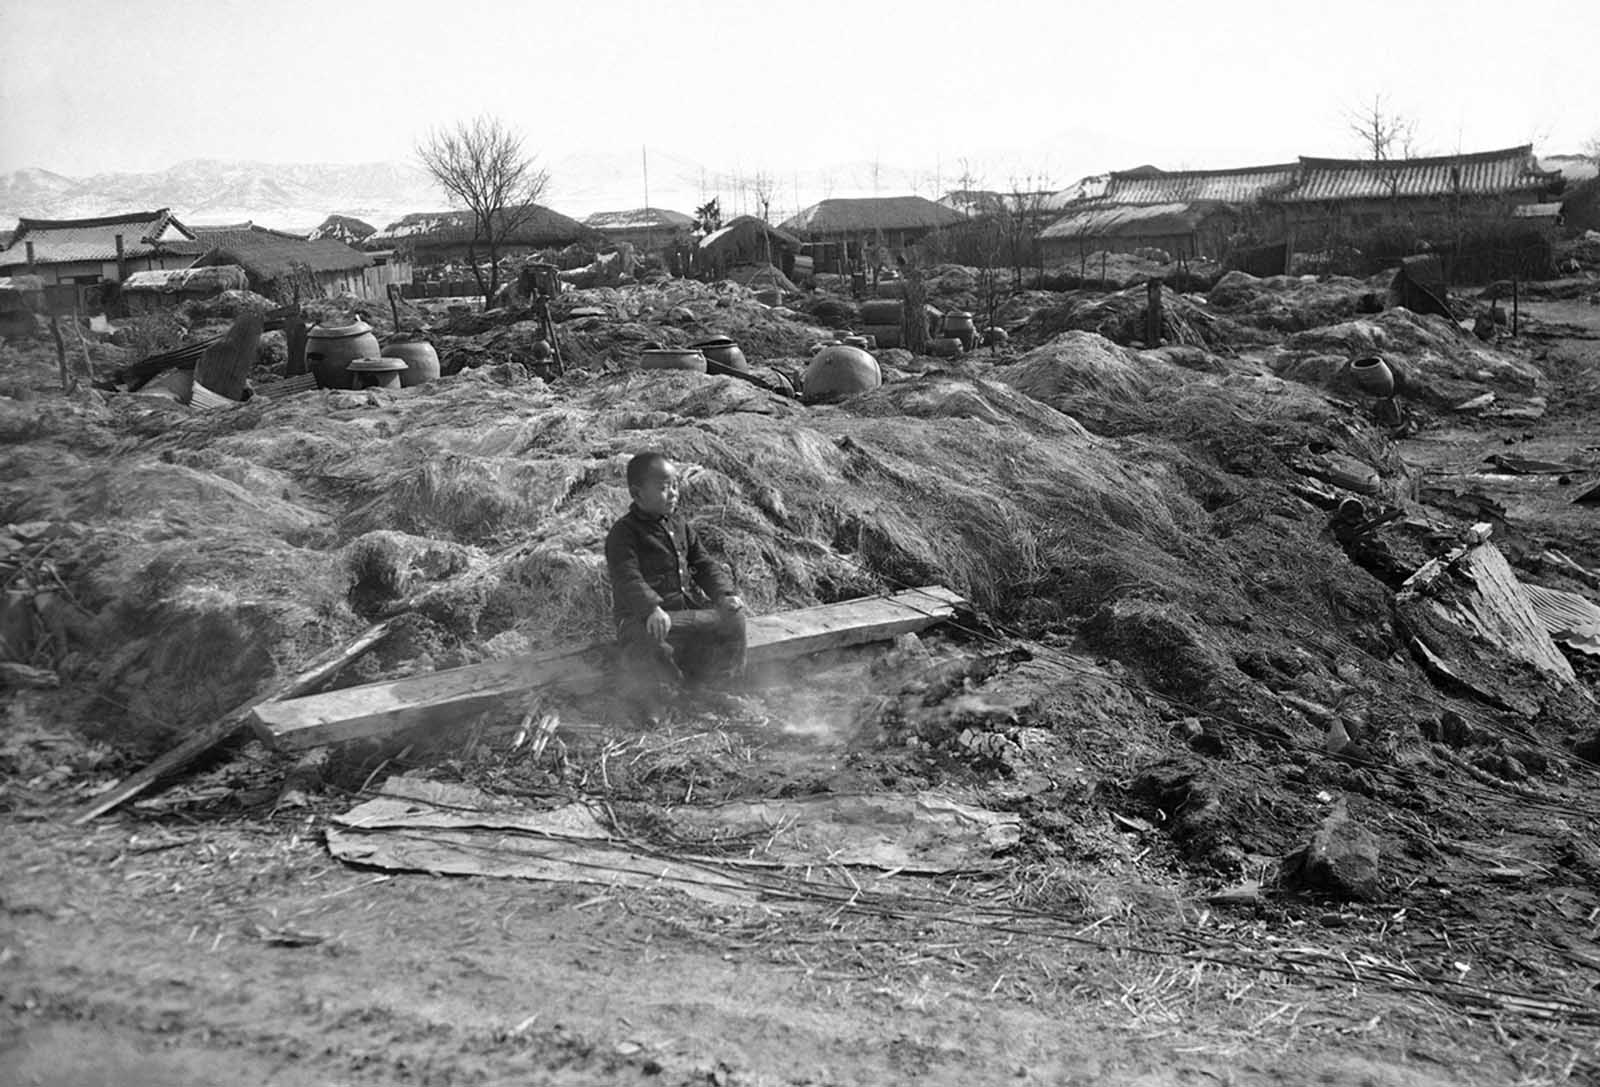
(318, 672)
(1480, 630)
(442, 698)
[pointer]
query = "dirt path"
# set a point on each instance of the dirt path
(144, 955)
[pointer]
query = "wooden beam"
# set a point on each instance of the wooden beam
(318, 672)
(440, 699)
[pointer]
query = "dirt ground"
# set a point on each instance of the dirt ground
(205, 935)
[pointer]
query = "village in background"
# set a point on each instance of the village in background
(1485, 214)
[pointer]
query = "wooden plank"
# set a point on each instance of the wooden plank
(318, 672)
(443, 698)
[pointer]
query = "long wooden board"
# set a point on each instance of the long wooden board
(201, 740)
(442, 698)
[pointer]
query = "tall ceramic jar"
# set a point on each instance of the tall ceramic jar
(331, 348)
(959, 325)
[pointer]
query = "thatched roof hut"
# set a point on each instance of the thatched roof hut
(851, 218)
(447, 235)
(281, 265)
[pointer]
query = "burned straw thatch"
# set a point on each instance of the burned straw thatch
(867, 214)
(266, 255)
(1121, 318)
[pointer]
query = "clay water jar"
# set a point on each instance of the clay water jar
(1373, 376)
(331, 348)
(838, 371)
(420, 357)
(723, 351)
(960, 325)
(673, 358)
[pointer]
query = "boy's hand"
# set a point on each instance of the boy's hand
(657, 623)
(733, 603)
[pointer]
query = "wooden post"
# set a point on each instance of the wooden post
(1102, 269)
(67, 384)
(122, 271)
(1152, 313)
(1515, 307)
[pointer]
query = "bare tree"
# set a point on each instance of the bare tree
(481, 164)
(1385, 135)
(761, 187)
(1022, 213)
(1591, 149)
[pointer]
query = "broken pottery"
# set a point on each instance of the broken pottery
(1373, 376)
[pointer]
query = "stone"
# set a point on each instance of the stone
(1340, 860)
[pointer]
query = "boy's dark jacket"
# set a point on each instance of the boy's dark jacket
(658, 562)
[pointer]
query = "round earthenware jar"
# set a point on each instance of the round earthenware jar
(422, 361)
(723, 351)
(331, 348)
(838, 371)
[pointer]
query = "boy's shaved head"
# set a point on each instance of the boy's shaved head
(644, 465)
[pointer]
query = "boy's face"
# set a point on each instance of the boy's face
(658, 494)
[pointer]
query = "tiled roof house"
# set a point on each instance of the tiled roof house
(106, 248)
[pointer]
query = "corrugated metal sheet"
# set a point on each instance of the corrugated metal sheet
(1239, 186)
(1485, 173)
(65, 241)
(866, 214)
(1129, 221)
(1571, 619)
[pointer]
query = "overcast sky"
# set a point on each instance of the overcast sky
(1048, 87)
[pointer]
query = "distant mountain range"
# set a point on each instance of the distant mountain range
(208, 191)
(298, 196)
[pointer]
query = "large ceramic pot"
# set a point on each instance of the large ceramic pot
(838, 371)
(1373, 376)
(724, 352)
(422, 361)
(672, 358)
(960, 325)
(331, 348)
